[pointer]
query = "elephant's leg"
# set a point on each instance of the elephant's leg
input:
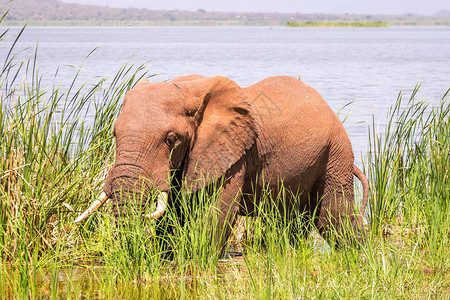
(336, 216)
(227, 207)
(227, 211)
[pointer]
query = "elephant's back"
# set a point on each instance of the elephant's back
(285, 94)
(284, 102)
(296, 128)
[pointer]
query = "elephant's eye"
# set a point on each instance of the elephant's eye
(171, 139)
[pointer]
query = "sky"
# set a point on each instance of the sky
(423, 7)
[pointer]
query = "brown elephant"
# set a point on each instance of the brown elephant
(211, 128)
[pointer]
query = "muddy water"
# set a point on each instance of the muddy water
(97, 282)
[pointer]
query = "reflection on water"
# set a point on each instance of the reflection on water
(98, 282)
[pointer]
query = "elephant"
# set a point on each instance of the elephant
(208, 128)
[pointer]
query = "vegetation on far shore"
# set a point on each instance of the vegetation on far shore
(144, 23)
(59, 13)
(337, 24)
(56, 143)
(226, 23)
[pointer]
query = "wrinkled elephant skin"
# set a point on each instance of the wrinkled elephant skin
(277, 129)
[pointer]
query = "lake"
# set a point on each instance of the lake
(369, 65)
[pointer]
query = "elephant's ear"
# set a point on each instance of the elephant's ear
(224, 130)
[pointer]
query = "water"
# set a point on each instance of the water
(369, 65)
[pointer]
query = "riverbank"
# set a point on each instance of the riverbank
(228, 23)
(337, 24)
(143, 23)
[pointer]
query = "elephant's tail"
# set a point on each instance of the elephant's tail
(365, 185)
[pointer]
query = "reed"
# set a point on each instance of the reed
(408, 168)
(51, 156)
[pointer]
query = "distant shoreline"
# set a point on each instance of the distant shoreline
(227, 23)
(62, 13)
(337, 24)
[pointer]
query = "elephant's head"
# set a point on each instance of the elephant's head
(190, 128)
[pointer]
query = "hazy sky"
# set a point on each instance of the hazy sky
(425, 7)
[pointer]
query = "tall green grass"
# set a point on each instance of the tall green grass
(56, 144)
(409, 170)
(51, 158)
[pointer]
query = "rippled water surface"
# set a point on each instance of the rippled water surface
(369, 65)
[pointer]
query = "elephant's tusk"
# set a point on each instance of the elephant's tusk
(160, 207)
(92, 208)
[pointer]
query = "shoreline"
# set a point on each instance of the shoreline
(218, 23)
